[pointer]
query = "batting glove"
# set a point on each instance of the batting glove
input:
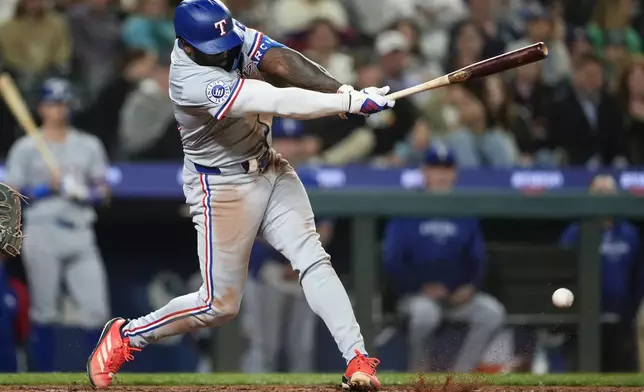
(376, 90)
(367, 104)
(74, 189)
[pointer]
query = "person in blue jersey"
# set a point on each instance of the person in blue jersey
(622, 281)
(436, 266)
(274, 300)
(8, 314)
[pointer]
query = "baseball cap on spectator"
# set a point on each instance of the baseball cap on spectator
(57, 90)
(391, 41)
(439, 155)
(287, 128)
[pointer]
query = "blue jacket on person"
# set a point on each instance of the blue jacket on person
(622, 272)
(8, 311)
(418, 251)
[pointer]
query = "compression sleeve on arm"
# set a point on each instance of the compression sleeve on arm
(260, 97)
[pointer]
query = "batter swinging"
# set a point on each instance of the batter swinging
(238, 187)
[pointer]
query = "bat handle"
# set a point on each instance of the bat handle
(419, 88)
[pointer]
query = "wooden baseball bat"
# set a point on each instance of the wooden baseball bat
(18, 107)
(504, 62)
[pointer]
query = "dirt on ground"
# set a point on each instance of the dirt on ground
(419, 386)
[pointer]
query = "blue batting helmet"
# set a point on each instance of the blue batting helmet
(57, 90)
(439, 155)
(207, 25)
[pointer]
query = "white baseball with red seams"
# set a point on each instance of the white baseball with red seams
(563, 298)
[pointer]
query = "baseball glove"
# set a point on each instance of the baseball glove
(10, 220)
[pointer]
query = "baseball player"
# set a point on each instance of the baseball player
(238, 187)
(277, 300)
(60, 244)
(437, 266)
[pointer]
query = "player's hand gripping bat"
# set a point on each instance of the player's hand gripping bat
(504, 62)
(18, 107)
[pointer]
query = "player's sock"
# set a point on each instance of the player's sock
(42, 347)
(329, 300)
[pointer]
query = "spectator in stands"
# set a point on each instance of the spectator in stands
(613, 16)
(542, 27)
(35, 45)
(147, 129)
(632, 100)
(150, 28)
(437, 17)
(408, 26)
(622, 281)
(495, 33)
(531, 105)
(437, 267)
(478, 141)
(287, 134)
(393, 50)
(411, 151)
(323, 47)
(586, 122)
(295, 16)
(616, 58)
(96, 33)
(7, 10)
(467, 46)
(252, 13)
(8, 315)
(578, 43)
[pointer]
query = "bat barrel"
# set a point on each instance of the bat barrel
(504, 62)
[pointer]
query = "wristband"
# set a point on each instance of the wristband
(345, 88)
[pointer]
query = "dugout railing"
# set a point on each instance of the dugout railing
(365, 207)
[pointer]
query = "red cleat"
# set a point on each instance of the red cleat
(361, 374)
(111, 352)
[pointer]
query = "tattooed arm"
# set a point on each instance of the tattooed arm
(287, 67)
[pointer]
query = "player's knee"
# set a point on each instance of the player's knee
(491, 316)
(223, 313)
(424, 315)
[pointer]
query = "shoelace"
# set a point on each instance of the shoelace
(372, 363)
(121, 355)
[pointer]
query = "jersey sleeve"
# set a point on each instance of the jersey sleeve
(237, 97)
(17, 165)
(256, 43)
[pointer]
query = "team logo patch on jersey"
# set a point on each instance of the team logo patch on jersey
(218, 92)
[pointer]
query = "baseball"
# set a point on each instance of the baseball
(562, 298)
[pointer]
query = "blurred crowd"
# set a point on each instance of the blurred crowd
(583, 105)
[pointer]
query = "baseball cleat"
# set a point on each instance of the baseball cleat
(361, 374)
(111, 352)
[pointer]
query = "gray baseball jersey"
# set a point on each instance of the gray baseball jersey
(60, 242)
(224, 120)
(204, 95)
(81, 155)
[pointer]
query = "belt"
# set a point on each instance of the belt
(249, 166)
(65, 224)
